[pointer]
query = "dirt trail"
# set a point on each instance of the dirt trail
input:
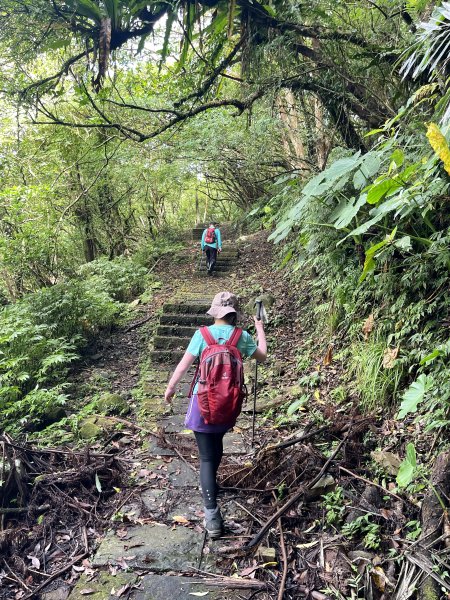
(159, 537)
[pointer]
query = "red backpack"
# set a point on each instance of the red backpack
(210, 237)
(220, 376)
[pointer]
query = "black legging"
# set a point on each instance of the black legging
(211, 257)
(210, 448)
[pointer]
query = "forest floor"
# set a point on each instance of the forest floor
(127, 518)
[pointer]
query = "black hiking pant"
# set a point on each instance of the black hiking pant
(210, 449)
(211, 257)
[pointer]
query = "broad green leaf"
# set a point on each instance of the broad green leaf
(408, 467)
(398, 157)
(86, 8)
(287, 258)
(297, 404)
(379, 190)
(346, 211)
(371, 164)
(414, 395)
(404, 243)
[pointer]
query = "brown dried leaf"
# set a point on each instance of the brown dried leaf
(390, 356)
(328, 356)
(180, 519)
(368, 326)
(121, 591)
(379, 578)
(87, 591)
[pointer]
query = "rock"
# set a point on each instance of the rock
(168, 587)
(112, 404)
(60, 593)
(103, 586)
(325, 484)
(267, 554)
(94, 427)
(158, 547)
(53, 414)
(388, 460)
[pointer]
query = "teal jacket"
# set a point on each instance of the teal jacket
(217, 243)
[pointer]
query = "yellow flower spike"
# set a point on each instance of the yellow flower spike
(439, 144)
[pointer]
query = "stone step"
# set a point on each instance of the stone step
(219, 267)
(176, 330)
(166, 342)
(180, 320)
(169, 357)
(192, 307)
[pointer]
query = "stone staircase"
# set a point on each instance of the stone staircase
(177, 324)
(226, 261)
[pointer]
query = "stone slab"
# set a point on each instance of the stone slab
(173, 423)
(169, 587)
(233, 443)
(177, 472)
(158, 547)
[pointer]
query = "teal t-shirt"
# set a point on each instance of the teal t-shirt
(222, 333)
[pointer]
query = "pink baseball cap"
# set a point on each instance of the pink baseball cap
(223, 304)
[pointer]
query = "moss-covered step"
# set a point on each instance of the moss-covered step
(192, 307)
(179, 319)
(169, 357)
(175, 342)
(175, 330)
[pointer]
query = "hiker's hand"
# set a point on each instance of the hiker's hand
(259, 324)
(169, 394)
(220, 250)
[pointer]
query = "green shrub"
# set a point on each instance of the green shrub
(42, 334)
(122, 278)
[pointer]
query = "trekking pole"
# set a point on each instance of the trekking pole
(259, 306)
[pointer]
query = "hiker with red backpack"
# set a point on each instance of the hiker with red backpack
(217, 391)
(211, 244)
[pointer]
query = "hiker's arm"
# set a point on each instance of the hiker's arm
(219, 240)
(260, 354)
(182, 368)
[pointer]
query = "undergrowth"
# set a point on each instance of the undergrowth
(44, 333)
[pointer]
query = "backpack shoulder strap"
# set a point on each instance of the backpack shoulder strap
(207, 336)
(235, 337)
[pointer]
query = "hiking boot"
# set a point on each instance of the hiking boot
(213, 523)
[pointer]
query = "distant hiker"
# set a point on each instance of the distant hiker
(217, 391)
(211, 244)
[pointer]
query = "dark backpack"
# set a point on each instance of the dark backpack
(210, 237)
(220, 376)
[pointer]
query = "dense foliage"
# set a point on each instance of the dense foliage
(125, 121)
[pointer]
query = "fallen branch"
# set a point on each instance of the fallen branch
(295, 498)
(294, 441)
(25, 509)
(137, 324)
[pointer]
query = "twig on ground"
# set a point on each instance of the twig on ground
(294, 441)
(285, 562)
(254, 517)
(137, 324)
(55, 575)
(25, 509)
(255, 541)
(16, 577)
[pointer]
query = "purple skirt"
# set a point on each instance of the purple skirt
(195, 421)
